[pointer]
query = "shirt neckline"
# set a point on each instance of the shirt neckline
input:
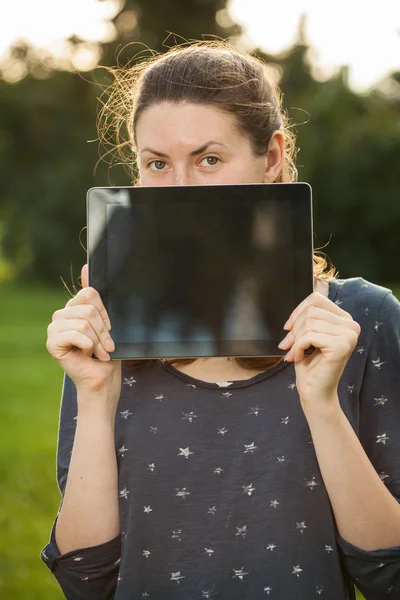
(240, 383)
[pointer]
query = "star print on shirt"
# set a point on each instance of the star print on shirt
(284, 420)
(146, 553)
(248, 489)
(185, 452)
(218, 470)
(268, 590)
(122, 450)
(319, 590)
(380, 401)
(125, 414)
(153, 429)
(270, 547)
(281, 458)
(383, 438)
(296, 570)
(159, 397)
(177, 576)
(129, 381)
(189, 416)
(176, 534)
(209, 551)
(77, 558)
(351, 388)
(250, 448)
(377, 363)
(328, 549)
(151, 467)
(242, 531)
(377, 325)
(182, 493)
(301, 526)
(254, 410)
(311, 484)
(147, 510)
(212, 510)
(291, 386)
(124, 493)
(227, 394)
(240, 573)
(223, 431)
(274, 503)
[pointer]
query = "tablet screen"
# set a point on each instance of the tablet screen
(190, 271)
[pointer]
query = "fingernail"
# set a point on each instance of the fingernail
(284, 342)
(109, 345)
(287, 323)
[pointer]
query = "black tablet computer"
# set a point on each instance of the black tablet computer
(200, 270)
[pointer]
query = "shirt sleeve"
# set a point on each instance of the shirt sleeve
(376, 573)
(86, 573)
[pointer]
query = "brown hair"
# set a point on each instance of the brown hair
(203, 72)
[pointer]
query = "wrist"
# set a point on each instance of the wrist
(322, 408)
(96, 406)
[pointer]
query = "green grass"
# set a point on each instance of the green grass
(30, 399)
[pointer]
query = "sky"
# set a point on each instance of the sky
(362, 34)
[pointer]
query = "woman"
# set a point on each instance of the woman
(220, 478)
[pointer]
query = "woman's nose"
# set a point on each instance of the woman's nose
(182, 178)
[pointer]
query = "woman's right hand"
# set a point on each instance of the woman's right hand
(81, 330)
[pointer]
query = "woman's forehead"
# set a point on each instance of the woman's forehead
(192, 125)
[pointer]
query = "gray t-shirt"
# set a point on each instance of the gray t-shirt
(220, 491)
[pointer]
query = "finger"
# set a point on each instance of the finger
(84, 276)
(338, 346)
(87, 313)
(65, 341)
(311, 314)
(89, 295)
(333, 326)
(84, 327)
(315, 299)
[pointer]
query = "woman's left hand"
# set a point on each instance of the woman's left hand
(319, 322)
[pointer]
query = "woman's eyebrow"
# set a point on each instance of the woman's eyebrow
(193, 153)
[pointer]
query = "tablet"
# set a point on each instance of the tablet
(201, 270)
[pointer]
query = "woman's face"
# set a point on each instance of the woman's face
(192, 144)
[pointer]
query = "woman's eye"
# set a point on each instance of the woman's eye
(211, 161)
(158, 164)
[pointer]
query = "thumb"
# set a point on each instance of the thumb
(84, 275)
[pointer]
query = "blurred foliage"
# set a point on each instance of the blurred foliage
(349, 148)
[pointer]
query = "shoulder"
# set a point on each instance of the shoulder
(374, 307)
(360, 296)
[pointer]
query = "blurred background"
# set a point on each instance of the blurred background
(338, 65)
